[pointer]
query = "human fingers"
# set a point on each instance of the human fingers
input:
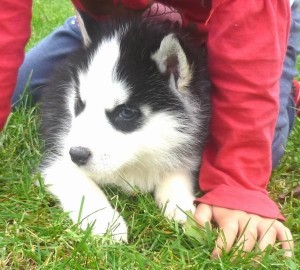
(267, 234)
(203, 214)
(247, 233)
(226, 238)
(284, 235)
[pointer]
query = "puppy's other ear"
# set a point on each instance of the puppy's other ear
(87, 26)
(171, 61)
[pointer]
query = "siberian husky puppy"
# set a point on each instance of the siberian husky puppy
(130, 108)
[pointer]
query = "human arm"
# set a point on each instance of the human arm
(246, 47)
(15, 17)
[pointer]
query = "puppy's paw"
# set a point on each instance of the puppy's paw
(107, 222)
(174, 194)
(176, 210)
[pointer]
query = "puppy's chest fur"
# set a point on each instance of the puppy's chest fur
(130, 108)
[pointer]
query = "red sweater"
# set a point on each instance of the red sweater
(15, 17)
(246, 46)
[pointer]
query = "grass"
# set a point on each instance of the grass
(36, 234)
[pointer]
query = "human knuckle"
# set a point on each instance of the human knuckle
(270, 230)
(231, 226)
(251, 231)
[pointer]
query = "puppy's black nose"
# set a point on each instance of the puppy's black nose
(80, 155)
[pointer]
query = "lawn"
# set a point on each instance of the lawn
(36, 234)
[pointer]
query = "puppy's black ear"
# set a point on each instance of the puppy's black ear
(87, 25)
(171, 60)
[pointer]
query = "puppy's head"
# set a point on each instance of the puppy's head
(132, 101)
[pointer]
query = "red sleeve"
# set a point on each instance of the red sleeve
(15, 17)
(246, 48)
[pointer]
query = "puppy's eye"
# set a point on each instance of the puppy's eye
(79, 106)
(128, 114)
(125, 118)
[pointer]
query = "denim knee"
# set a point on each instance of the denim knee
(287, 110)
(40, 61)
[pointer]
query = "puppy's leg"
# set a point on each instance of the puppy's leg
(72, 187)
(175, 193)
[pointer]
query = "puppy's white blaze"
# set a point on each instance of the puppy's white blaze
(98, 83)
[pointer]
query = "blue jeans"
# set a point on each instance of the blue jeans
(42, 59)
(287, 112)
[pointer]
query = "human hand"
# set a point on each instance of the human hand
(243, 228)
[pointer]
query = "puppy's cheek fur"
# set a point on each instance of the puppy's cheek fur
(111, 149)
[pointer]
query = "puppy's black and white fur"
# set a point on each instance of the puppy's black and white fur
(130, 108)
